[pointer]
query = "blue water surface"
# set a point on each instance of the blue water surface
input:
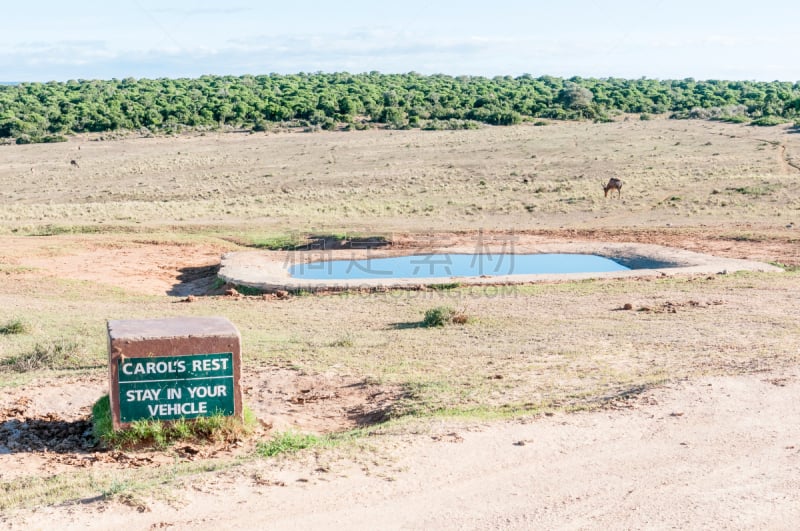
(454, 265)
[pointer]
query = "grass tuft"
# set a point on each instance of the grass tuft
(57, 355)
(290, 442)
(278, 243)
(248, 291)
(444, 287)
(15, 326)
(753, 190)
(344, 341)
(160, 434)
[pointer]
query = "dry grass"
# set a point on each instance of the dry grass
(523, 349)
(677, 172)
(518, 349)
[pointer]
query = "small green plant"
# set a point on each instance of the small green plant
(443, 315)
(160, 434)
(278, 243)
(116, 488)
(102, 425)
(290, 442)
(248, 291)
(15, 326)
(344, 341)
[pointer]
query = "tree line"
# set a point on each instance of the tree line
(45, 112)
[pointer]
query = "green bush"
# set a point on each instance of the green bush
(438, 316)
(43, 112)
(444, 315)
(767, 121)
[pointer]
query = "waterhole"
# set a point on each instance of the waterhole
(454, 265)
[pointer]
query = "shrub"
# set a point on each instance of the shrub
(442, 315)
(766, 121)
(438, 316)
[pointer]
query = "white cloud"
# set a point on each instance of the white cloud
(360, 42)
(389, 50)
(191, 11)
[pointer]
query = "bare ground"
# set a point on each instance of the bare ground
(717, 452)
(45, 427)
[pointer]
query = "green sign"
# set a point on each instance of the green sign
(174, 387)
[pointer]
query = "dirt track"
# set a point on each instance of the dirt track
(718, 453)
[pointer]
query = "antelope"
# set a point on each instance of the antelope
(613, 184)
(74, 163)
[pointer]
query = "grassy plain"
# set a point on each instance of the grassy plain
(525, 177)
(721, 188)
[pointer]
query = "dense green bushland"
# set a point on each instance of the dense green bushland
(44, 112)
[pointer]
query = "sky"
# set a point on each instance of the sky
(46, 40)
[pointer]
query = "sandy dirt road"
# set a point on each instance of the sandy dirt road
(719, 452)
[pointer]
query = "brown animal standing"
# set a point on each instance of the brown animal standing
(613, 184)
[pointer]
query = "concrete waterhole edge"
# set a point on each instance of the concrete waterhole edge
(268, 271)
